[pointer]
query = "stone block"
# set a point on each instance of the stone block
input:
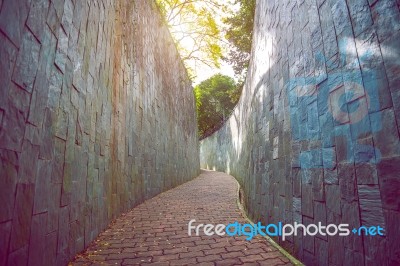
(333, 63)
(27, 62)
(329, 158)
(376, 80)
(308, 241)
(368, 50)
(350, 215)
(386, 140)
(275, 148)
(296, 180)
(307, 200)
(12, 19)
(37, 17)
(386, 18)
(296, 204)
(32, 134)
(8, 58)
(313, 129)
(58, 162)
(353, 258)
(370, 205)
(47, 136)
(338, 106)
(12, 129)
(5, 231)
(327, 130)
(364, 152)
(360, 126)
(22, 217)
(50, 252)
(389, 48)
(61, 125)
(37, 250)
(344, 144)
(53, 208)
(389, 180)
(317, 179)
(375, 250)
(42, 186)
(62, 50)
(53, 20)
(347, 182)
(336, 250)
(41, 86)
(360, 16)
(321, 251)
(20, 99)
(340, 15)
(320, 213)
(366, 174)
(333, 198)
(330, 176)
(27, 163)
(67, 17)
(54, 92)
(392, 232)
(8, 183)
(63, 229)
(18, 257)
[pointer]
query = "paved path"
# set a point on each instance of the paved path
(156, 231)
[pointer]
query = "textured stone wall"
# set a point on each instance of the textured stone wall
(97, 114)
(315, 136)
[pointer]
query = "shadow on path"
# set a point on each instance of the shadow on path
(156, 231)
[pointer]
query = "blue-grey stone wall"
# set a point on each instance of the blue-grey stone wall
(97, 114)
(315, 135)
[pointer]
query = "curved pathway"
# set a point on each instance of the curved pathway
(156, 231)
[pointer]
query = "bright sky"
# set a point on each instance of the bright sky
(205, 72)
(202, 71)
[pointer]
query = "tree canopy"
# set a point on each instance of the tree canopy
(206, 31)
(215, 99)
(193, 25)
(239, 34)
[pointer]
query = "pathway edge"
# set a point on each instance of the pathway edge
(270, 240)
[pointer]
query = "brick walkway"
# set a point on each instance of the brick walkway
(155, 232)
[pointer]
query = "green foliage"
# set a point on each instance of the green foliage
(193, 26)
(196, 27)
(239, 35)
(215, 99)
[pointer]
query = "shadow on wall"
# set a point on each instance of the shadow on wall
(315, 136)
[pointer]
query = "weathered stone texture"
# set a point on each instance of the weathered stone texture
(321, 108)
(97, 114)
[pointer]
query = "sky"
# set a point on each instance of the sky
(205, 72)
(202, 71)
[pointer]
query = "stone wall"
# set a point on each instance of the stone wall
(97, 114)
(315, 135)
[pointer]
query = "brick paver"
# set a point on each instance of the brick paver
(155, 232)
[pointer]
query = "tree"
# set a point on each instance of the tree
(192, 24)
(239, 34)
(215, 99)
